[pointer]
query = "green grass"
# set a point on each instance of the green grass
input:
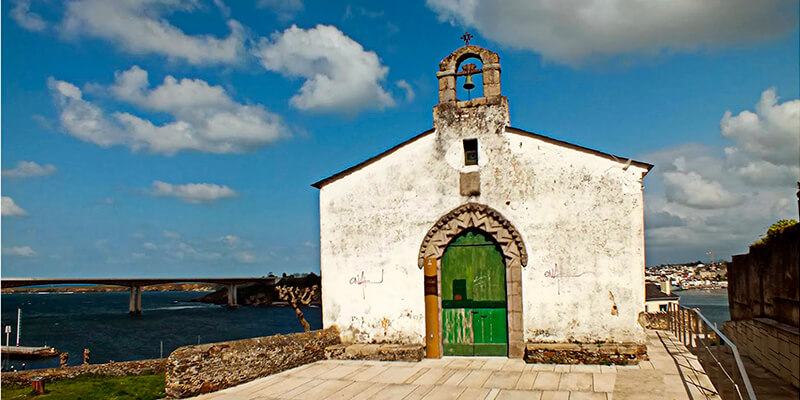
(144, 387)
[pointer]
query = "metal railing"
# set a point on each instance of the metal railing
(692, 328)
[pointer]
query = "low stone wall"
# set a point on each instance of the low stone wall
(192, 370)
(579, 353)
(127, 368)
(376, 352)
(654, 320)
(771, 344)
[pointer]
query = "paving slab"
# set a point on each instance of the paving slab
(559, 395)
(587, 396)
(506, 394)
(477, 378)
(471, 393)
(575, 382)
(444, 393)
(546, 381)
(526, 380)
(603, 382)
(502, 380)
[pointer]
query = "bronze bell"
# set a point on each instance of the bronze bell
(468, 84)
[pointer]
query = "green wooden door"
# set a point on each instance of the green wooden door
(474, 318)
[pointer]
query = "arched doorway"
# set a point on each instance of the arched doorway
(492, 224)
(474, 306)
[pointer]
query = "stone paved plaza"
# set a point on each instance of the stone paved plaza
(671, 373)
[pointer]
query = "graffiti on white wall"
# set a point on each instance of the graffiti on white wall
(360, 279)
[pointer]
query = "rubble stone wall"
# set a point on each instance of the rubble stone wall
(192, 370)
(127, 368)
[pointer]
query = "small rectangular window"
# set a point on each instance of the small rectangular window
(470, 151)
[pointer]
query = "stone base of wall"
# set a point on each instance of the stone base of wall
(192, 370)
(127, 368)
(377, 352)
(771, 344)
(577, 353)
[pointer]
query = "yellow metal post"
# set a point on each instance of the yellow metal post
(432, 342)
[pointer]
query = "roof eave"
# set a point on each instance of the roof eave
(319, 184)
(646, 166)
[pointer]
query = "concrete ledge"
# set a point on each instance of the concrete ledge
(192, 370)
(127, 368)
(376, 352)
(585, 353)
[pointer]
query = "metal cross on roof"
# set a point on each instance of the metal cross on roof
(466, 37)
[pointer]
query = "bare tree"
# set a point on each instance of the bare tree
(297, 296)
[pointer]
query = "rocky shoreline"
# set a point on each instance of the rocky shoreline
(263, 294)
(255, 294)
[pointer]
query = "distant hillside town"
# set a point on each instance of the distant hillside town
(694, 275)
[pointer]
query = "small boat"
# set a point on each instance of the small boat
(28, 352)
(24, 352)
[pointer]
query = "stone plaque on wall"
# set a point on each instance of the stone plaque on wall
(470, 183)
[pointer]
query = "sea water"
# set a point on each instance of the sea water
(100, 322)
(713, 303)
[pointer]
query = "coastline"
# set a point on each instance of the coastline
(167, 287)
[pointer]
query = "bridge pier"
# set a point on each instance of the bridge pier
(232, 300)
(135, 300)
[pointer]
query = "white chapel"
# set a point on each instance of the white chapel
(478, 238)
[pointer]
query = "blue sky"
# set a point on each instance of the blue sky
(172, 137)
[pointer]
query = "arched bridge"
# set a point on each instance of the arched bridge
(136, 284)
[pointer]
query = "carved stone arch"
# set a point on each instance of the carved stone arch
(451, 62)
(448, 69)
(474, 215)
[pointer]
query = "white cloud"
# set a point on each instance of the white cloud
(402, 84)
(339, 74)
(767, 142)
(702, 198)
(691, 189)
(205, 118)
(11, 209)
(193, 192)
(141, 27)
(284, 9)
(81, 118)
(661, 219)
(19, 251)
(575, 31)
(150, 246)
(245, 257)
(171, 234)
(27, 169)
(21, 13)
(230, 240)
(223, 8)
